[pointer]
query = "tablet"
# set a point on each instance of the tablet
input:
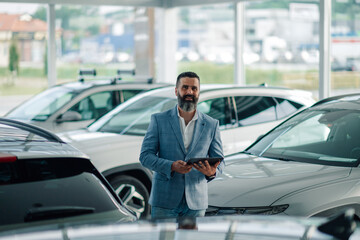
(211, 160)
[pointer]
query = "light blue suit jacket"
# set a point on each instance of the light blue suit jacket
(163, 144)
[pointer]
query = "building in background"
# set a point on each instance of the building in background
(29, 33)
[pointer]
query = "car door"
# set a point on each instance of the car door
(222, 110)
(85, 111)
(256, 115)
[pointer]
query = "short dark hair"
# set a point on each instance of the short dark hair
(186, 74)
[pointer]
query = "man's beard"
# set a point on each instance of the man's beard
(185, 105)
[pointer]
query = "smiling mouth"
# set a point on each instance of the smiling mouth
(189, 98)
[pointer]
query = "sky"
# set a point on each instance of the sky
(30, 8)
(18, 7)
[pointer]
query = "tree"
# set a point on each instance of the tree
(40, 14)
(13, 57)
(13, 61)
(46, 61)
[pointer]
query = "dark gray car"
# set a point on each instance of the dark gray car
(44, 180)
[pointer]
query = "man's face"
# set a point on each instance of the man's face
(188, 93)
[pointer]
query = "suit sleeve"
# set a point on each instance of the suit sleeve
(150, 148)
(216, 149)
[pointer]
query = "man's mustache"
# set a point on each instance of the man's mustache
(188, 95)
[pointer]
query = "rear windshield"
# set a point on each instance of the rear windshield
(69, 186)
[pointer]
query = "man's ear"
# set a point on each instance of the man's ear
(175, 91)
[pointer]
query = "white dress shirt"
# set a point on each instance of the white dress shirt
(187, 131)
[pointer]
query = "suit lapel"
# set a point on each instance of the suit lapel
(199, 128)
(175, 125)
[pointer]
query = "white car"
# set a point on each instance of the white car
(75, 105)
(114, 141)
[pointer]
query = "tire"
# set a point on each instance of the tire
(133, 193)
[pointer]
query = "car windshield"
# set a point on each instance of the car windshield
(43, 105)
(135, 118)
(329, 137)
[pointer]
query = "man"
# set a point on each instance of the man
(173, 137)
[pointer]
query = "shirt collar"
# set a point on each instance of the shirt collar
(195, 117)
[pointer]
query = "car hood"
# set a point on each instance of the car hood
(250, 181)
(106, 150)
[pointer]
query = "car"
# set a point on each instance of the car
(44, 180)
(306, 166)
(342, 226)
(114, 141)
(76, 104)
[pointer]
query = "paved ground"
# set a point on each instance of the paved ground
(9, 102)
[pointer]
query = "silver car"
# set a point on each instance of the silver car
(77, 104)
(306, 166)
(113, 142)
(342, 227)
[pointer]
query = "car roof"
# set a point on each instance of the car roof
(234, 89)
(346, 101)
(26, 141)
(94, 83)
(209, 90)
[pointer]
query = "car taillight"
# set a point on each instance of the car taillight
(5, 158)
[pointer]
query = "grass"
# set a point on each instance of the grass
(32, 80)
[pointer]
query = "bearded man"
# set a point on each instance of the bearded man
(173, 137)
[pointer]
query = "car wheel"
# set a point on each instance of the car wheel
(133, 194)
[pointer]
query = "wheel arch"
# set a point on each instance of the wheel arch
(135, 170)
(336, 209)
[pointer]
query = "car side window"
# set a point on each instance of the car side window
(219, 109)
(103, 102)
(95, 105)
(255, 109)
(286, 107)
(86, 108)
(127, 94)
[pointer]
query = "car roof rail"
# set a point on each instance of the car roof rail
(132, 72)
(329, 99)
(31, 128)
(86, 72)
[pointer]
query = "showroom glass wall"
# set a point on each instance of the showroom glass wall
(87, 37)
(280, 47)
(345, 43)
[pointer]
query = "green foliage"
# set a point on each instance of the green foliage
(93, 29)
(13, 57)
(28, 72)
(209, 72)
(269, 4)
(46, 60)
(40, 13)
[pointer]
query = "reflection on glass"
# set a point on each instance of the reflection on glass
(345, 47)
(43, 105)
(323, 136)
(135, 119)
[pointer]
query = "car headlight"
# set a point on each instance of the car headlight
(268, 210)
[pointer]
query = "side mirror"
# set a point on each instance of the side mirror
(69, 116)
